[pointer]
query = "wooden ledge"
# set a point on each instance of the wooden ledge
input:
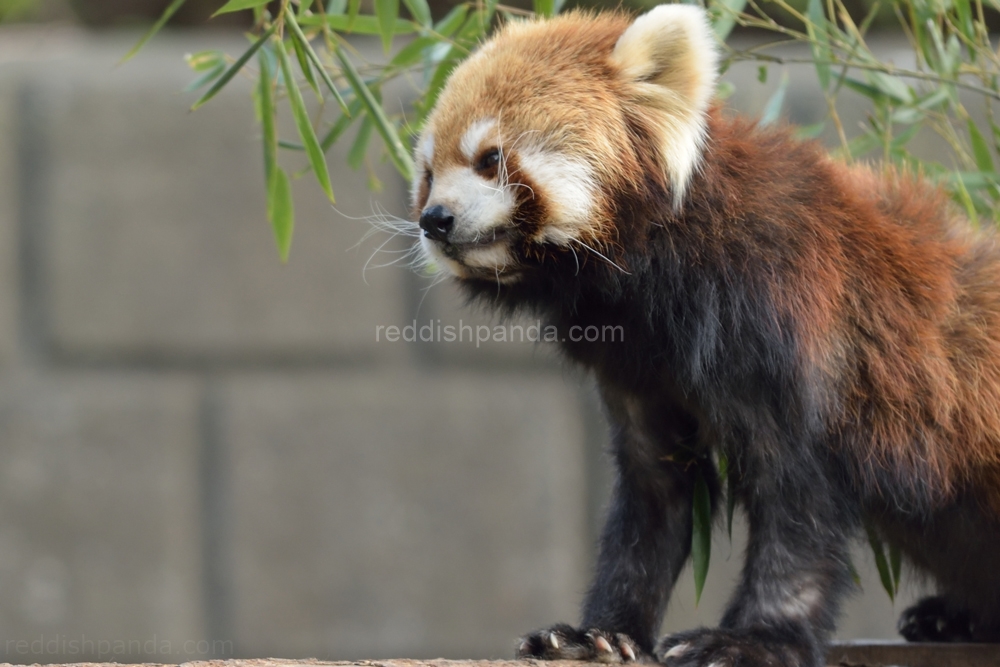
(842, 654)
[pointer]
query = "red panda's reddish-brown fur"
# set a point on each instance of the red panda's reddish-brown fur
(831, 331)
(899, 301)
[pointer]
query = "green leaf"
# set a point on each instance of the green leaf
(546, 8)
(397, 152)
(265, 97)
(353, 7)
(361, 25)
(772, 111)
(298, 35)
(205, 60)
(239, 5)
(315, 154)
(491, 8)
(420, 11)
(810, 131)
(701, 535)
(724, 90)
(961, 194)
(300, 55)
(762, 73)
(884, 573)
(869, 91)
(205, 78)
(387, 11)
(356, 156)
(893, 87)
(452, 21)
(412, 53)
(725, 19)
(341, 125)
(980, 149)
(236, 67)
(336, 6)
(160, 22)
(281, 212)
(819, 41)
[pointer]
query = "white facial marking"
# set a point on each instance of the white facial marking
(474, 136)
(569, 185)
(479, 206)
(425, 149)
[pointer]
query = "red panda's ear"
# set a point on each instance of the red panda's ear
(668, 59)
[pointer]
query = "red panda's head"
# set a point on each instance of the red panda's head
(538, 132)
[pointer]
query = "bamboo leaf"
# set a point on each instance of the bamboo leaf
(160, 22)
(356, 156)
(772, 111)
(341, 125)
(725, 20)
(387, 11)
(961, 193)
(317, 159)
(819, 41)
(307, 72)
(546, 8)
(893, 87)
(810, 131)
(701, 535)
(353, 7)
(239, 5)
(361, 25)
(265, 97)
(452, 21)
(281, 212)
(884, 573)
(420, 11)
(399, 155)
(233, 69)
(205, 78)
(412, 52)
(298, 35)
(980, 149)
(205, 60)
(336, 6)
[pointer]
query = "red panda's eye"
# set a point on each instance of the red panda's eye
(489, 160)
(429, 177)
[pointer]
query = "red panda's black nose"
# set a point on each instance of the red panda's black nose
(437, 222)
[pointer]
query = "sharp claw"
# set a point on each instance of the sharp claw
(941, 625)
(676, 651)
(628, 652)
(523, 648)
(554, 641)
(601, 644)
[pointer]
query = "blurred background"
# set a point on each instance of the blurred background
(205, 453)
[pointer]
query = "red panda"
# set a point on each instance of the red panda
(833, 330)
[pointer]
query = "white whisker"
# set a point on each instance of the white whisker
(601, 256)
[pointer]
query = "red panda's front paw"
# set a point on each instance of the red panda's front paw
(564, 642)
(731, 648)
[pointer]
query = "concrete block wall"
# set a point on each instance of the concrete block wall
(207, 454)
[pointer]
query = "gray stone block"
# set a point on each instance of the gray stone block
(158, 244)
(400, 514)
(99, 518)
